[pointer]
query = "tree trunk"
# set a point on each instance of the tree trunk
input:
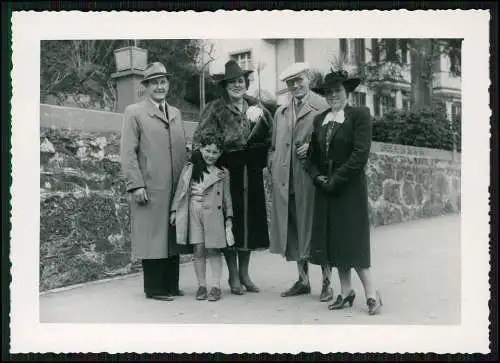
(420, 79)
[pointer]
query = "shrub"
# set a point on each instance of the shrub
(426, 127)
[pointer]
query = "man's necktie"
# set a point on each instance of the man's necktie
(162, 109)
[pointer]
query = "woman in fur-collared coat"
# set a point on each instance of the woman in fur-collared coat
(246, 128)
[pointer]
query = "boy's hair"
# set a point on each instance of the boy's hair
(199, 164)
(210, 138)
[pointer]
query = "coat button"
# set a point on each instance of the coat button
(218, 193)
(287, 144)
(219, 207)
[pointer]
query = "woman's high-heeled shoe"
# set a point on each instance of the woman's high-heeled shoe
(340, 303)
(374, 305)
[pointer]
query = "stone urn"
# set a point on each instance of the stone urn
(129, 58)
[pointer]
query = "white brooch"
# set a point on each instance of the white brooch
(254, 113)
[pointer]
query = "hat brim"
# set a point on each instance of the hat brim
(350, 85)
(158, 75)
(221, 78)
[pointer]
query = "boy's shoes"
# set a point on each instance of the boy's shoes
(215, 294)
(202, 293)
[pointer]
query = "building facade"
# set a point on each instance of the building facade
(269, 57)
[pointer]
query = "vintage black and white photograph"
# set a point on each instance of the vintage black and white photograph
(256, 181)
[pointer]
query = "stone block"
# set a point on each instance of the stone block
(391, 191)
(408, 193)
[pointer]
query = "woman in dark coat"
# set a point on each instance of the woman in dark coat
(246, 128)
(339, 151)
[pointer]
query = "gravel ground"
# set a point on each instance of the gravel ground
(416, 268)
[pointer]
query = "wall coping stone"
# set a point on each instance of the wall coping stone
(72, 118)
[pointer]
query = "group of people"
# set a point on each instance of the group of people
(210, 200)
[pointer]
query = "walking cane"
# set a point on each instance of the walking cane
(245, 206)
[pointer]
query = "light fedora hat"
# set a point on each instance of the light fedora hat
(155, 70)
(294, 70)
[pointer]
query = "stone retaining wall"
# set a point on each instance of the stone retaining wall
(84, 220)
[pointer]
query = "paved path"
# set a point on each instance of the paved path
(416, 266)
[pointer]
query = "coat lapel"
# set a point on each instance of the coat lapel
(306, 108)
(337, 126)
(210, 179)
(172, 115)
(155, 112)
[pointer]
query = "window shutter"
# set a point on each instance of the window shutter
(359, 47)
(299, 50)
(343, 47)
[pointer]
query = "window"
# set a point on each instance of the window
(403, 45)
(359, 51)
(456, 110)
(244, 60)
(383, 103)
(406, 104)
(391, 50)
(358, 99)
(353, 50)
(387, 103)
(375, 51)
(376, 105)
(299, 50)
(406, 100)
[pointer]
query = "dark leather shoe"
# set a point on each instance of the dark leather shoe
(178, 292)
(297, 289)
(160, 297)
(326, 293)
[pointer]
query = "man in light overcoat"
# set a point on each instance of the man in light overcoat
(153, 153)
(292, 187)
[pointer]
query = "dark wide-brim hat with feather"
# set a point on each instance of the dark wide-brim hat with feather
(232, 70)
(334, 78)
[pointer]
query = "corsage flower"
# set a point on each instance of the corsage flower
(254, 113)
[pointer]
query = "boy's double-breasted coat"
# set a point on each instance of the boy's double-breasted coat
(217, 206)
(290, 129)
(153, 153)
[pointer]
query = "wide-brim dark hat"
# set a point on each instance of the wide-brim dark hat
(335, 77)
(232, 71)
(155, 70)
